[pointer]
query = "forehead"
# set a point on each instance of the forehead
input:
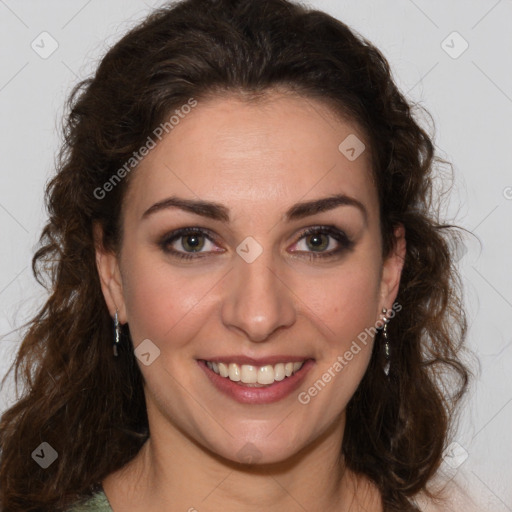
(256, 156)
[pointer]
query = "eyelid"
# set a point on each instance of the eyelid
(344, 241)
(176, 234)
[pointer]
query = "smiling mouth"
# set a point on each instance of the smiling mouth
(255, 376)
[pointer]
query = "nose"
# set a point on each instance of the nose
(258, 301)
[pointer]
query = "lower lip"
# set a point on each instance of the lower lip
(264, 395)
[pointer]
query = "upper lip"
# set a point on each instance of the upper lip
(261, 361)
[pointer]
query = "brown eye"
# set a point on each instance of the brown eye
(188, 243)
(318, 242)
(192, 242)
(323, 242)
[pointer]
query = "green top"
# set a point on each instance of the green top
(98, 502)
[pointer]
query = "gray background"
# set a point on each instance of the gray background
(469, 96)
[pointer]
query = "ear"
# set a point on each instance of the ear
(109, 272)
(392, 270)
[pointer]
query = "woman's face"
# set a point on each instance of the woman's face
(270, 273)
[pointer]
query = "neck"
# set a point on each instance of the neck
(173, 472)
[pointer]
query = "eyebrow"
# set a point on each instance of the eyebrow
(216, 211)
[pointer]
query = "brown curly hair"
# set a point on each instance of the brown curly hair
(89, 405)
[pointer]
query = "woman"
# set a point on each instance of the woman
(253, 303)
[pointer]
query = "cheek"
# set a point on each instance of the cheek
(345, 307)
(344, 300)
(163, 300)
(158, 300)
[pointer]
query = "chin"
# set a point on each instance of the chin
(258, 451)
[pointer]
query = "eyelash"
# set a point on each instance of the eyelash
(345, 243)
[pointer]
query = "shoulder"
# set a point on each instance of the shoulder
(98, 502)
(450, 496)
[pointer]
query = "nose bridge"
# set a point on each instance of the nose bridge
(257, 300)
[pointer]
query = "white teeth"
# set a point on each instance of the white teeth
(223, 370)
(266, 375)
(279, 372)
(249, 374)
(234, 372)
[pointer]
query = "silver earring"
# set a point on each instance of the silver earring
(117, 330)
(387, 351)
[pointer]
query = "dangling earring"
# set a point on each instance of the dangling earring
(387, 351)
(117, 330)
